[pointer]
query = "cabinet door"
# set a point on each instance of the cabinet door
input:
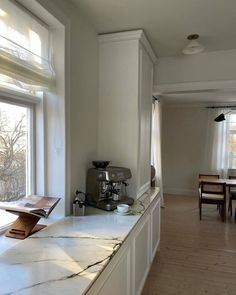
(141, 252)
(155, 228)
(118, 282)
(145, 108)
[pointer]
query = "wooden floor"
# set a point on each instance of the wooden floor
(196, 257)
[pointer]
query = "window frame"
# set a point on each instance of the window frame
(29, 102)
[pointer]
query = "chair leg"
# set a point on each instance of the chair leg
(230, 207)
(223, 212)
(200, 210)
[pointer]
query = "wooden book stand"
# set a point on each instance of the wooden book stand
(24, 226)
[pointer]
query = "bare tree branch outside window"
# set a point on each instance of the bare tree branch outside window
(13, 152)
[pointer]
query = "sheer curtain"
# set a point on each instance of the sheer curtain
(217, 144)
(156, 145)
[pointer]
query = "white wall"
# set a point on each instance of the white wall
(81, 92)
(209, 66)
(183, 143)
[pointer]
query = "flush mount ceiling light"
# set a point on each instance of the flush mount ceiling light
(194, 46)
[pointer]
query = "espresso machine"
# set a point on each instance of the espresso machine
(106, 187)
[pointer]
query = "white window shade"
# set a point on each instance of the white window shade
(25, 52)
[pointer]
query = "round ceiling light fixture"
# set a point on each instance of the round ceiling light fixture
(194, 46)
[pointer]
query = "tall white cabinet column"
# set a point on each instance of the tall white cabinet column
(125, 98)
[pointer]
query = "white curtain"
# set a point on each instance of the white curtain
(156, 146)
(25, 51)
(217, 141)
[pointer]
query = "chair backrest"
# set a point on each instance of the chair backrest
(208, 176)
(213, 188)
(232, 188)
(231, 172)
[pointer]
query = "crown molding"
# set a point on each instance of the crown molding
(129, 35)
(194, 87)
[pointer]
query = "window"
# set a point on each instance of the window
(232, 140)
(15, 154)
(14, 151)
(25, 73)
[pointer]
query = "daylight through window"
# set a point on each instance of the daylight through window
(232, 141)
(13, 151)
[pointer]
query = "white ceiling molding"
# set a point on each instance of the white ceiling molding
(194, 87)
(129, 35)
(202, 105)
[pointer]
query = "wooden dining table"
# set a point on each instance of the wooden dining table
(228, 182)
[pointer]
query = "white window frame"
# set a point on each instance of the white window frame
(30, 102)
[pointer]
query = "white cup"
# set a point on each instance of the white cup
(123, 208)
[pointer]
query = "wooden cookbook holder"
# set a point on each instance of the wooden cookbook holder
(24, 226)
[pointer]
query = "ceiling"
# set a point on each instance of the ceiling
(167, 23)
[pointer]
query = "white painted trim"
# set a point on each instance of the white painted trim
(178, 191)
(129, 35)
(18, 96)
(192, 87)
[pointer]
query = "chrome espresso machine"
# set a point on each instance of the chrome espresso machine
(106, 186)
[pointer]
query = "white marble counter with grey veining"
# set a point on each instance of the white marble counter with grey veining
(67, 256)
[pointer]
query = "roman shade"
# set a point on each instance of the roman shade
(25, 51)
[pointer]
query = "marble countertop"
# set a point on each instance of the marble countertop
(67, 256)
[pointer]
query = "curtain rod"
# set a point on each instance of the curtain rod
(221, 107)
(155, 98)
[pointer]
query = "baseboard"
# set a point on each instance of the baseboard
(178, 191)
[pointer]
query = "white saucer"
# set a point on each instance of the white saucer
(122, 213)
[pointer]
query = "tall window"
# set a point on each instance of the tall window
(25, 73)
(14, 152)
(232, 140)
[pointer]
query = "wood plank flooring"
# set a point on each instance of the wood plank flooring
(196, 257)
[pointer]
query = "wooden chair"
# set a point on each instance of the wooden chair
(207, 176)
(232, 196)
(213, 193)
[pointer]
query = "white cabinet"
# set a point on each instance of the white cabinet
(155, 223)
(116, 278)
(145, 109)
(141, 253)
(127, 271)
(119, 280)
(125, 98)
